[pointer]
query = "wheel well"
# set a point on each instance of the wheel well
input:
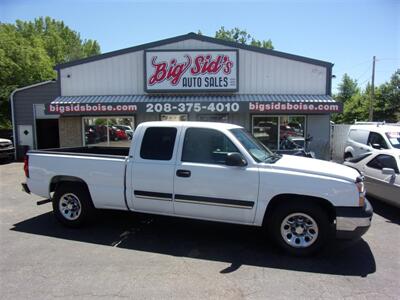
(286, 199)
(57, 180)
(347, 154)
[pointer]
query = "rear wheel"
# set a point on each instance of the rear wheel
(72, 204)
(300, 229)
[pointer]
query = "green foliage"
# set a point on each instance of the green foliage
(241, 36)
(30, 50)
(387, 100)
(347, 89)
(386, 105)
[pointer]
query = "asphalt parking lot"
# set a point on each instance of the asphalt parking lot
(137, 256)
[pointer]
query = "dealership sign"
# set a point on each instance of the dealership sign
(186, 70)
(194, 107)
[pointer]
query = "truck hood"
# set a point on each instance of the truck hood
(315, 167)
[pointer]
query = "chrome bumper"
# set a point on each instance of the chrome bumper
(353, 222)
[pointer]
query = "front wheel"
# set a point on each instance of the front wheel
(300, 229)
(347, 156)
(72, 204)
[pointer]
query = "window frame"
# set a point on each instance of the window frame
(104, 117)
(173, 114)
(198, 116)
(279, 124)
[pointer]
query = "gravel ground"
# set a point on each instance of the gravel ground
(126, 255)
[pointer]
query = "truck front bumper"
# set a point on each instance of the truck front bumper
(353, 222)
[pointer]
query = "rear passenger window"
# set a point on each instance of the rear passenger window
(206, 146)
(158, 143)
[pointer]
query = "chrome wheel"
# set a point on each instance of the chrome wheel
(70, 207)
(299, 230)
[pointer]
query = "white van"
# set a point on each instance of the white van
(366, 137)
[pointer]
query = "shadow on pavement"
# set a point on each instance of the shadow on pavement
(234, 244)
(389, 212)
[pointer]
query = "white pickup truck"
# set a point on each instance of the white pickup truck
(209, 171)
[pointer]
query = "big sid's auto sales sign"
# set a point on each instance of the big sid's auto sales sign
(191, 70)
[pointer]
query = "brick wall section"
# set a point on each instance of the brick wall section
(70, 131)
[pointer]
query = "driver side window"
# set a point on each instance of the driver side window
(376, 138)
(383, 161)
(203, 145)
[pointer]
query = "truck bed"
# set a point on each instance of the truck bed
(87, 151)
(101, 168)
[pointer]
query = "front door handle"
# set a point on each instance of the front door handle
(183, 173)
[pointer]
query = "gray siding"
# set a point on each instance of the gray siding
(25, 99)
(259, 73)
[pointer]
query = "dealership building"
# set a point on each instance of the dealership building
(101, 99)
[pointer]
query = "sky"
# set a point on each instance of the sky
(347, 33)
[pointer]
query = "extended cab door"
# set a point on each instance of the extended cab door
(153, 169)
(205, 187)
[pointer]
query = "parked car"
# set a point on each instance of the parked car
(119, 133)
(127, 129)
(381, 171)
(363, 138)
(210, 171)
(6, 149)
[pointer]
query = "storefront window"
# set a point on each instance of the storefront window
(174, 117)
(265, 129)
(275, 131)
(108, 131)
(223, 118)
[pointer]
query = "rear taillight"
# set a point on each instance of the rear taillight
(26, 166)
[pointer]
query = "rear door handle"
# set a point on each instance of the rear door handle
(183, 173)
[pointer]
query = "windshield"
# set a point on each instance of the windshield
(394, 139)
(256, 149)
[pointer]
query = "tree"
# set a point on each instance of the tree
(356, 102)
(241, 36)
(387, 100)
(30, 50)
(347, 89)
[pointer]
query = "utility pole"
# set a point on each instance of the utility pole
(371, 101)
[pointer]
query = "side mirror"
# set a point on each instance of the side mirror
(388, 171)
(235, 159)
(376, 146)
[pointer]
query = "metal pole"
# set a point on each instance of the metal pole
(371, 102)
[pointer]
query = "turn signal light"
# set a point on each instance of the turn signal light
(26, 166)
(361, 190)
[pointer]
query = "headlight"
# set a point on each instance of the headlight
(361, 190)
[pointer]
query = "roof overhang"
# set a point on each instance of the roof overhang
(238, 103)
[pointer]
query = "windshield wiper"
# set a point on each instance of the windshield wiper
(273, 158)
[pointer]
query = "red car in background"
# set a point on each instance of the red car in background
(286, 131)
(120, 134)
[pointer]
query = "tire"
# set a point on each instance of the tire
(347, 156)
(312, 232)
(72, 204)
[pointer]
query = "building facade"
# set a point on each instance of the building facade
(100, 100)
